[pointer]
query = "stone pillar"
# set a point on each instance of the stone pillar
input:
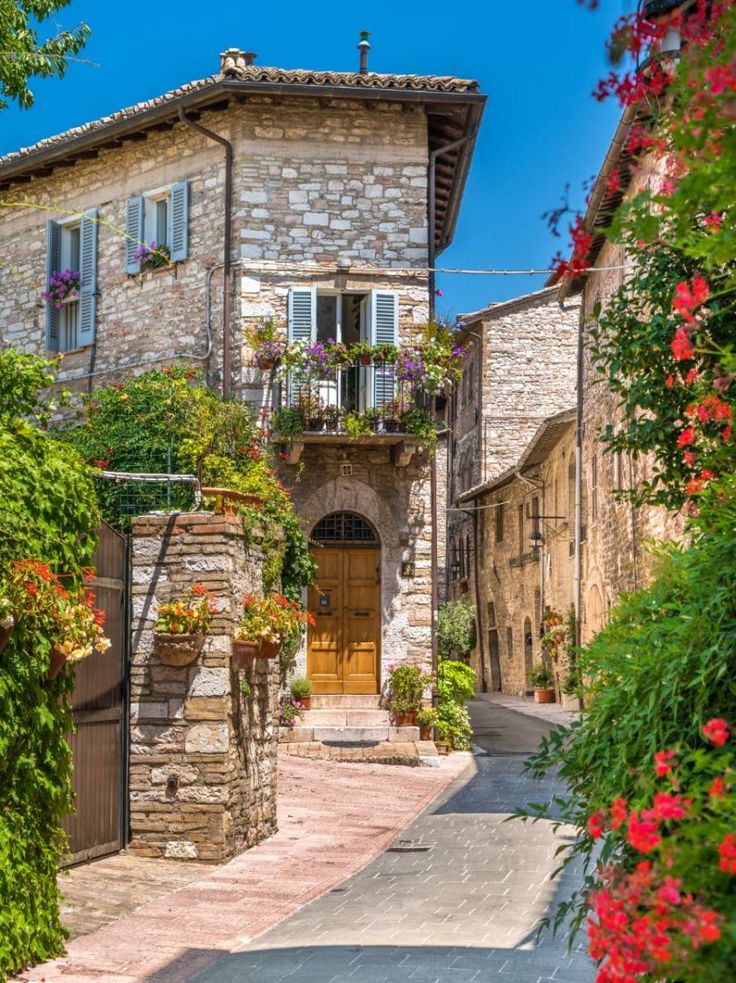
(202, 755)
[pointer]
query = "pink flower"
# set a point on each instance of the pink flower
(717, 731)
(663, 762)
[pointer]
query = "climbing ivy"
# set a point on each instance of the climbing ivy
(48, 513)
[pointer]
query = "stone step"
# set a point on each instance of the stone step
(354, 701)
(345, 718)
(349, 735)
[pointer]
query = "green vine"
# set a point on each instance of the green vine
(49, 513)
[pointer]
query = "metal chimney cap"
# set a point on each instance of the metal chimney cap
(364, 42)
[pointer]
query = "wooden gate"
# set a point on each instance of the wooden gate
(100, 720)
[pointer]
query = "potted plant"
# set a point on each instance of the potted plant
(406, 689)
(181, 626)
(287, 423)
(332, 418)
(427, 719)
(301, 691)
(288, 712)
(356, 426)
(339, 355)
(363, 352)
(152, 256)
(63, 285)
(268, 343)
(66, 616)
(421, 425)
(543, 683)
(392, 413)
(387, 354)
(265, 624)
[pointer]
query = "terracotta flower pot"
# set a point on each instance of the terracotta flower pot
(6, 633)
(364, 359)
(425, 733)
(544, 695)
(442, 747)
(177, 650)
(408, 719)
(305, 702)
(58, 660)
(269, 650)
(266, 364)
(243, 653)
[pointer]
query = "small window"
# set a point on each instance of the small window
(156, 221)
(69, 309)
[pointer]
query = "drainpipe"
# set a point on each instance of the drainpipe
(476, 538)
(227, 245)
(577, 566)
(432, 252)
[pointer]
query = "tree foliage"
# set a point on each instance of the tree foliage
(23, 55)
(48, 513)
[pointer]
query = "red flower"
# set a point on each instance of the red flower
(686, 438)
(595, 825)
(691, 377)
(32, 589)
(727, 852)
(713, 221)
(200, 590)
(689, 458)
(717, 731)
(717, 788)
(619, 812)
(663, 762)
(682, 347)
(667, 806)
(642, 833)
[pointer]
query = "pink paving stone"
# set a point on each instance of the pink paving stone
(334, 818)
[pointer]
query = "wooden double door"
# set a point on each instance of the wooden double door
(344, 643)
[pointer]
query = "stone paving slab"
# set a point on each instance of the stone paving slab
(333, 817)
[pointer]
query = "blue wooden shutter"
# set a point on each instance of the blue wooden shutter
(384, 330)
(179, 221)
(302, 327)
(53, 265)
(134, 232)
(87, 278)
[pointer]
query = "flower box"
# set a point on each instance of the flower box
(177, 650)
(244, 651)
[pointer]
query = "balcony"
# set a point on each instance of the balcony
(364, 403)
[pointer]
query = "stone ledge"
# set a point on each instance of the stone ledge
(387, 753)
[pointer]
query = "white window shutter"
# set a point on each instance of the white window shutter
(179, 221)
(87, 278)
(53, 265)
(303, 314)
(134, 232)
(384, 330)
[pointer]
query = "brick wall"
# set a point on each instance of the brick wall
(192, 724)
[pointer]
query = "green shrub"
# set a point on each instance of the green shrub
(407, 683)
(300, 687)
(456, 628)
(661, 667)
(48, 513)
(455, 685)
(541, 676)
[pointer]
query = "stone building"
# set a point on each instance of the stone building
(520, 370)
(318, 199)
(525, 550)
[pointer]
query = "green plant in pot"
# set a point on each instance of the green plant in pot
(362, 352)
(422, 426)
(406, 689)
(301, 691)
(357, 426)
(427, 719)
(543, 682)
(287, 423)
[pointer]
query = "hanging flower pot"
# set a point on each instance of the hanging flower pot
(177, 650)
(364, 359)
(7, 627)
(58, 661)
(244, 651)
(269, 650)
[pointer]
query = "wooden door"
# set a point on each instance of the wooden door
(99, 782)
(343, 647)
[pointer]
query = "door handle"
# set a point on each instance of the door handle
(361, 614)
(323, 614)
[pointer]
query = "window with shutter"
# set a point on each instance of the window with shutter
(87, 278)
(384, 330)
(53, 265)
(158, 219)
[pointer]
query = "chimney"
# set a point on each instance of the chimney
(234, 61)
(364, 48)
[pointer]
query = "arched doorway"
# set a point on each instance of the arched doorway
(343, 645)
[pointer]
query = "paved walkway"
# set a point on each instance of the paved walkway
(333, 819)
(552, 713)
(455, 898)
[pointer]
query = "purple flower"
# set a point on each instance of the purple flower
(63, 285)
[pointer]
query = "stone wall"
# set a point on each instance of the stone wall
(202, 755)
(396, 500)
(517, 582)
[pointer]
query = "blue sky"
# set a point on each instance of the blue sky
(537, 62)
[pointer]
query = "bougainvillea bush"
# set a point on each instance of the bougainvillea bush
(49, 516)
